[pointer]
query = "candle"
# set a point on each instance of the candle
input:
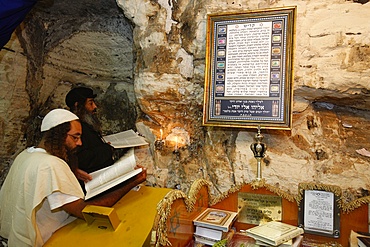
(161, 134)
(176, 144)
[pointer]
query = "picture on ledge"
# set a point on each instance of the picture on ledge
(249, 69)
(319, 211)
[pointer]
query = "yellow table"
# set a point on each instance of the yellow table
(136, 210)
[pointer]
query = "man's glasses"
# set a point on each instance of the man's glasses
(75, 137)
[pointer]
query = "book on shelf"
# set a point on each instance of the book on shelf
(216, 219)
(108, 177)
(294, 242)
(363, 241)
(353, 238)
(204, 240)
(125, 139)
(274, 232)
(211, 240)
(209, 233)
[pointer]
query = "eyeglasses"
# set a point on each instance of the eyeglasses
(75, 137)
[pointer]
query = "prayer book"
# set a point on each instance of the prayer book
(363, 241)
(216, 219)
(108, 177)
(353, 237)
(204, 240)
(211, 237)
(125, 139)
(214, 235)
(274, 233)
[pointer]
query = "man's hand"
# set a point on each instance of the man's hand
(82, 175)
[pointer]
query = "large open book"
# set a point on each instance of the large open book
(108, 177)
(125, 139)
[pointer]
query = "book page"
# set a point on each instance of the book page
(124, 165)
(110, 176)
(319, 210)
(125, 139)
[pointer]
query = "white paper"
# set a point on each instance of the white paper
(125, 139)
(319, 210)
(363, 152)
(113, 175)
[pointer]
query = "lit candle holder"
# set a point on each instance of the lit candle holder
(159, 143)
(176, 151)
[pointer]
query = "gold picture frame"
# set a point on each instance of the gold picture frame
(249, 69)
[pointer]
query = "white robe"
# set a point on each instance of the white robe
(33, 176)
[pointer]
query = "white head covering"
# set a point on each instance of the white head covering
(56, 117)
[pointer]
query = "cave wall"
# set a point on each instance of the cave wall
(331, 95)
(146, 60)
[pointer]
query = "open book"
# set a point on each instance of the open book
(125, 139)
(110, 176)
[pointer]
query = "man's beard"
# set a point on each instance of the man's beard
(72, 158)
(90, 119)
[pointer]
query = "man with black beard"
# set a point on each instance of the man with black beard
(94, 153)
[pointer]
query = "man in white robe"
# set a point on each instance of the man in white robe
(40, 193)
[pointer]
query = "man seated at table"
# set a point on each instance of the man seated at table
(40, 193)
(94, 154)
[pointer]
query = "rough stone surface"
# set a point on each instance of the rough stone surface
(331, 68)
(151, 67)
(14, 101)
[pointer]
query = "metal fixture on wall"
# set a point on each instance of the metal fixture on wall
(259, 149)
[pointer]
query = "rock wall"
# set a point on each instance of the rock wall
(161, 77)
(331, 95)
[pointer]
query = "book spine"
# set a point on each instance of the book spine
(289, 236)
(205, 238)
(213, 226)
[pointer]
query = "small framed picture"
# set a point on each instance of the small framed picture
(319, 211)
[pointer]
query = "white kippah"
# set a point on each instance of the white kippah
(56, 117)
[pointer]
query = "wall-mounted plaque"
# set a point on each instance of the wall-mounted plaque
(257, 208)
(319, 212)
(249, 69)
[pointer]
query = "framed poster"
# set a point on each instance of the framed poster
(249, 69)
(319, 211)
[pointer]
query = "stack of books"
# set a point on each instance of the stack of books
(276, 233)
(363, 241)
(363, 238)
(357, 238)
(212, 225)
